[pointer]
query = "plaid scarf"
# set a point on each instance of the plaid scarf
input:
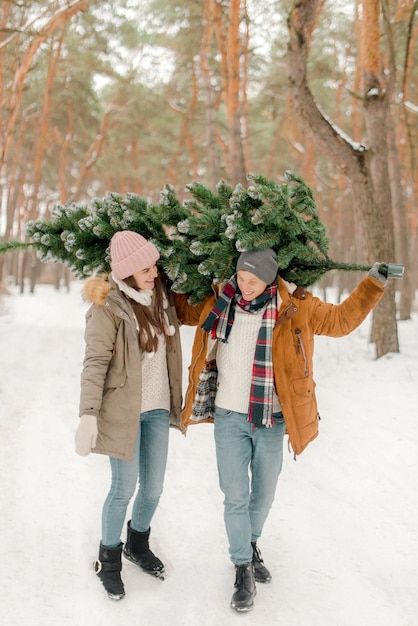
(219, 324)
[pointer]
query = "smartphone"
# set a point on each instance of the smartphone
(391, 270)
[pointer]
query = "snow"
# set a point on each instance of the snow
(340, 541)
(411, 106)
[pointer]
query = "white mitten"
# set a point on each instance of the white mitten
(86, 435)
(378, 271)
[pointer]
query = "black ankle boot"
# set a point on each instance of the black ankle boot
(243, 598)
(261, 573)
(137, 550)
(108, 568)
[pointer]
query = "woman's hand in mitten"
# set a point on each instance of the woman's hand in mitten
(86, 435)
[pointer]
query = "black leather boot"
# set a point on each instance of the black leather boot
(137, 550)
(243, 598)
(261, 573)
(108, 568)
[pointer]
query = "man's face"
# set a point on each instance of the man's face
(250, 285)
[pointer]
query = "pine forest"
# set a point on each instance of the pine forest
(211, 127)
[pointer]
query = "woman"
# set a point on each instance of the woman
(130, 395)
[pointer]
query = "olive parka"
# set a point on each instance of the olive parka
(111, 378)
(301, 316)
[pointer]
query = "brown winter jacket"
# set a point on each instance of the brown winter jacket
(112, 373)
(301, 316)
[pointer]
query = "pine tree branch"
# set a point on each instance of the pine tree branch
(14, 246)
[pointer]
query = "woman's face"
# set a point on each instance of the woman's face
(145, 279)
(250, 285)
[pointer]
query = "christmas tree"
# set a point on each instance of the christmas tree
(79, 235)
(201, 253)
(221, 225)
(199, 239)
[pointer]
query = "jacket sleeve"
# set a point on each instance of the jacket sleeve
(100, 336)
(189, 314)
(337, 320)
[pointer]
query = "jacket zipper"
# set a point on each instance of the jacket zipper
(301, 348)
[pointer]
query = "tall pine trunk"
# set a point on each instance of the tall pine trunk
(365, 167)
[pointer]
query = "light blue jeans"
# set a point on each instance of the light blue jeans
(148, 466)
(249, 463)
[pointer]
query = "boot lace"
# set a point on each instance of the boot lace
(257, 554)
(243, 577)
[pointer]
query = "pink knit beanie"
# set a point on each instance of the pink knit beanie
(131, 253)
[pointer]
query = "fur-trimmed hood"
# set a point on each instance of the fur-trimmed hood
(96, 289)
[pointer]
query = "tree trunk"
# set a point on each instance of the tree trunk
(402, 227)
(44, 122)
(16, 90)
(398, 142)
(356, 161)
(93, 153)
(228, 39)
(211, 16)
(237, 171)
(186, 139)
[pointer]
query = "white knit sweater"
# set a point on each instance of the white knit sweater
(155, 385)
(235, 361)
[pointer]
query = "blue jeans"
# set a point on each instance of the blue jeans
(148, 466)
(241, 447)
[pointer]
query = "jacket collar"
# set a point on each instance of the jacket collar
(287, 292)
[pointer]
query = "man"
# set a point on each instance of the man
(256, 339)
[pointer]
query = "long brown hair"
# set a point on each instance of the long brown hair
(151, 319)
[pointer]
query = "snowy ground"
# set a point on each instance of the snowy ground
(341, 540)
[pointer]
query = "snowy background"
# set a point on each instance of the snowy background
(340, 541)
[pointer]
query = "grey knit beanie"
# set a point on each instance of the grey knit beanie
(262, 263)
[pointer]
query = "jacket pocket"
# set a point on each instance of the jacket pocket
(304, 402)
(303, 391)
(114, 400)
(115, 381)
